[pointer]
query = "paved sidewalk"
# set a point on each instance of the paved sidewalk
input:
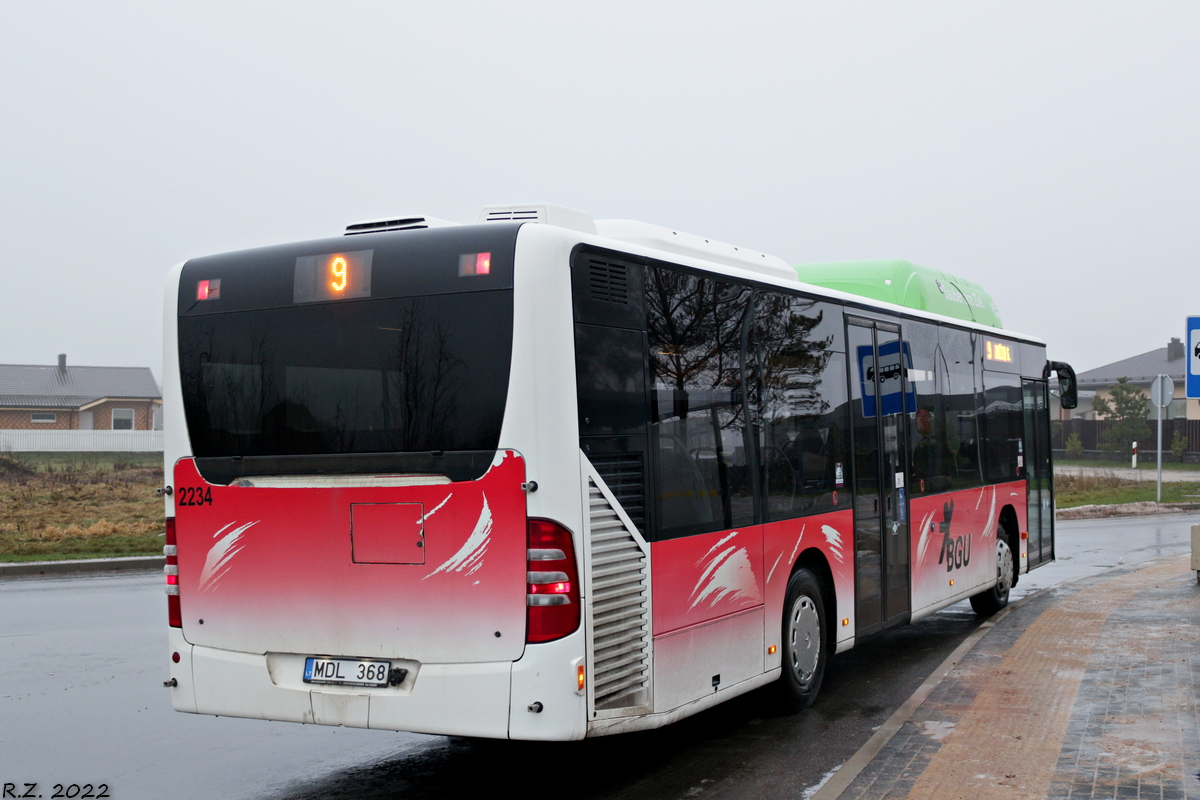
(1083, 691)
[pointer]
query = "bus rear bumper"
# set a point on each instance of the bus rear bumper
(448, 699)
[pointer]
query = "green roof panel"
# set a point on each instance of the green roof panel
(906, 284)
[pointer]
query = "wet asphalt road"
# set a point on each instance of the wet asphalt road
(82, 662)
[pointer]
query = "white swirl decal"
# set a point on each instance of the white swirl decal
(469, 557)
(728, 574)
(220, 555)
(834, 540)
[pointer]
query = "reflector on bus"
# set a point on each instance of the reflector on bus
(208, 290)
(474, 264)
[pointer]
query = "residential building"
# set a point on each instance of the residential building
(1141, 371)
(36, 397)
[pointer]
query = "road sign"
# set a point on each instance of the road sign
(1162, 391)
(1193, 357)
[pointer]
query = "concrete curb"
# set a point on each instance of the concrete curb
(24, 568)
(1141, 509)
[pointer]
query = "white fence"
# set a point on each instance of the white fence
(14, 441)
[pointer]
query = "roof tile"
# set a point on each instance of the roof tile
(37, 386)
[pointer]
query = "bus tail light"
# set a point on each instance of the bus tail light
(171, 570)
(552, 583)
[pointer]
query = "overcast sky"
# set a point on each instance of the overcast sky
(1048, 150)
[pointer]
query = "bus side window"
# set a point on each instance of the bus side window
(696, 343)
(1002, 427)
(802, 404)
(928, 440)
(957, 359)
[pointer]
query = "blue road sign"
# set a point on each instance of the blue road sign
(1193, 357)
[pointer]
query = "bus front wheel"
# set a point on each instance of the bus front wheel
(991, 600)
(804, 640)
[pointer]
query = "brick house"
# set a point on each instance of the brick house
(35, 397)
(1141, 371)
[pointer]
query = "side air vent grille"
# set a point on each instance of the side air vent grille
(608, 281)
(625, 477)
(620, 613)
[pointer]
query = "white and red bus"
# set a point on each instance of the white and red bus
(548, 477)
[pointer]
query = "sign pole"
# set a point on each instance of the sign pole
(1158, 497)
(1162, 390)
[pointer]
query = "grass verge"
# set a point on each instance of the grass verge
(1070, 492)
(79, 505)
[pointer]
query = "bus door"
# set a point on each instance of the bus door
(1038, 472)
(880, 394)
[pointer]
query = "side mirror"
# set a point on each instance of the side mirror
(1068, 388)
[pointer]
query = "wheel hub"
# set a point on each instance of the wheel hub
(1004, 564)
(805, 635)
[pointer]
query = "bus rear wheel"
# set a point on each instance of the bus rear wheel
(991, 600)
(804, 639)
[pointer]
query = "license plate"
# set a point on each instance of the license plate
(346, 671)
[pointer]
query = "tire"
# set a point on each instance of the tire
(804, 641)
(988, 602)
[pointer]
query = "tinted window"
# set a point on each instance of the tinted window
(699, 332)
(611, 380)
(956, 369)
(802, 404)
(1002, 427)
(394, 375)
(931, 428)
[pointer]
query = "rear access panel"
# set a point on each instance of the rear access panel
(387, 533)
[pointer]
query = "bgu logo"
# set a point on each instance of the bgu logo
(956, 550)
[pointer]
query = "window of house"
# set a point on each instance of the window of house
(44, 416)
(122, 419)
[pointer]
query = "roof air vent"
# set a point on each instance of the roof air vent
(545, 213)
(405, 223)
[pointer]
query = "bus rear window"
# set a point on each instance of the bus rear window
(395, 375)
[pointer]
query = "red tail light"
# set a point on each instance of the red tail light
(553, 583)
(174, 614)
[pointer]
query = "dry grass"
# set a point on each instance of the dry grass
(1107, 489)
(78, 512)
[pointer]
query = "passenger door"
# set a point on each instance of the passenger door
(1038, 472)
(880, 401)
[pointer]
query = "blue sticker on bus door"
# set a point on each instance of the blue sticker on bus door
(891, 368)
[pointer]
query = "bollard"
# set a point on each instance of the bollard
(1196, 551)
